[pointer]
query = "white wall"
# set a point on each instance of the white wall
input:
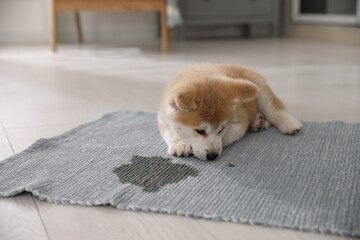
(29, 21)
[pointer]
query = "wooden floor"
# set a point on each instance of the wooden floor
(42, 95)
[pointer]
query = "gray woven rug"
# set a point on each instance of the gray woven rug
(307, 182)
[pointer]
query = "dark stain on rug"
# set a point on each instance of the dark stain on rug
(230, 165)
(152, 173)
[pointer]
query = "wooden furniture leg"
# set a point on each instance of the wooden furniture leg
(107, 5)
(78, 27)
(53, 27)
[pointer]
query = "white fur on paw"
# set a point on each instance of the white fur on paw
(287, 124)
(259, 123)
(180, 148)
(267, 124)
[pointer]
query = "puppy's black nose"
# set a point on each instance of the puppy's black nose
(212, 156)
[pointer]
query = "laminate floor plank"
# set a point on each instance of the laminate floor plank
(19, 218)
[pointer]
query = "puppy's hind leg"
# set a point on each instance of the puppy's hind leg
(275, 111)
(268, 103)
(272, 107)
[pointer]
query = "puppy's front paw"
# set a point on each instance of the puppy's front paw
(180, 148)
(288, 124)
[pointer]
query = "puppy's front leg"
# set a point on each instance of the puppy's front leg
(233, 133)
(176, 146)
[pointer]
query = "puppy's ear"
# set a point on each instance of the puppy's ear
(184, 100)
(243, 90)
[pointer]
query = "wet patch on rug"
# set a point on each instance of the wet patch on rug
(151, 173)
(310, 181)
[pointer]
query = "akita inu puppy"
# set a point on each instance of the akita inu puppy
(208, 107)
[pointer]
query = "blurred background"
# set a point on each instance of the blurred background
(66, 62)
(29, 21)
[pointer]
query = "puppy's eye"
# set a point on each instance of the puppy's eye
(200, 131)
(221, 130)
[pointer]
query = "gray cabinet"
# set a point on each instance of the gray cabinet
(224, 12)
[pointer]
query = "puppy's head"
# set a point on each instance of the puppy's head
(201, 111)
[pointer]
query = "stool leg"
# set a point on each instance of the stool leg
(78, 27)
(53, 27)
(164, 32)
